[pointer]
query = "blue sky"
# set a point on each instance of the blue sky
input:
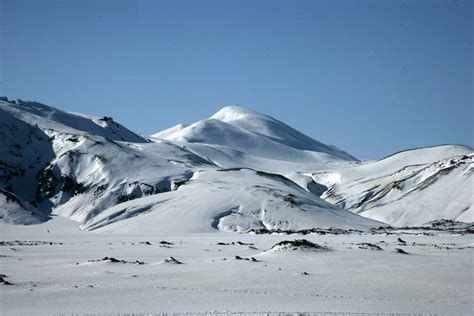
(371, 77)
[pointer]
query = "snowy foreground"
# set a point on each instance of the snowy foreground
(55, 268)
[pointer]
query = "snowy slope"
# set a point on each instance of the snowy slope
(275, 130)
(230, 200)
(408, 188)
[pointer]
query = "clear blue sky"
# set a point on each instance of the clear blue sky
(371, 77)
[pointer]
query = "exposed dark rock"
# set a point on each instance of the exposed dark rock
(135, 190)
(301, 244)
(243, 243)
(3, 281)
(172, 260)
(370, 246)
(28, 243)
(49, 183)
(72, 187)
(163, 242)
(399, 250)
(225, 243)
(316, 231)
(401, 241)
(177, 183)
(246, 259)
(114, 260)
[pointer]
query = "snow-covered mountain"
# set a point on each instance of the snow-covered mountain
(239, 170)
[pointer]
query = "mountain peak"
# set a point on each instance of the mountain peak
(233, 112)
(254, 134)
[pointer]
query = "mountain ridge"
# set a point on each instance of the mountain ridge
(107, 178)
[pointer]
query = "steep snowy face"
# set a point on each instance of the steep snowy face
(255, 135)
(409, 188)
(24, 150)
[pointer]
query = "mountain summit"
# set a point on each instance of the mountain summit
(254, 134)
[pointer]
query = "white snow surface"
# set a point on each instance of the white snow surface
(54, 268)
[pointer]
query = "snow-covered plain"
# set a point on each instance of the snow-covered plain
(97, 219)
(63, 277)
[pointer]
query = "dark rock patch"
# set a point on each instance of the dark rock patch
(370, 246)
(28, 243)
(298, 244)
(163, 242)
(114, 260)
(243, 243)
(315, 231)
(172, 260)
(401, 241)
(3, 281)
(246, 259)
(399, 250)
